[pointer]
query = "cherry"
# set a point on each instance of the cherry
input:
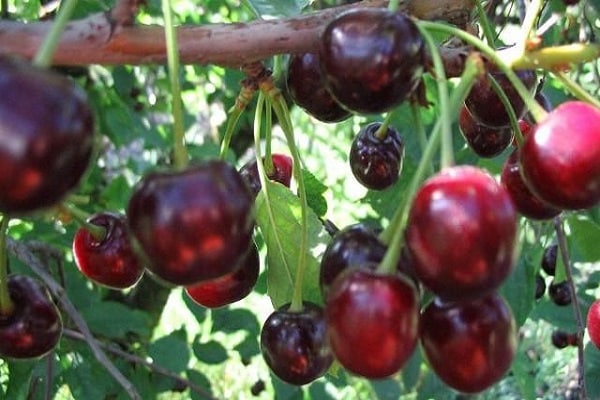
(549, 259)
(228, 288)
(485, 105)
(526, 203)
(281, 173)
(373, 321)
(484, 140)
(46, 136)
(306, 86)
(593, 323)
(560, 159)
(34, 326)
(540, 287)
(376, 162)
(372, 59)
(194, 224)
(294, 344)
(470, 345)
(109, 261)
(461, 233)
(560, 293)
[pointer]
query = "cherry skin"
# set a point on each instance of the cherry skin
(548, 262)
(560, 159)
(485, 141)
(561, 339)
(34, 326)
(372, 59)
(486, 107)
(526, 203)
(540, 287)
(373, 321)
(281, 173)
(192, 225)
(376, 162)
(306, 86)
(560, 293)
(46, 136)
(294, 344)
(461, 233)
(109, 261)
(470, 345)
(593, 323)
(228, 288)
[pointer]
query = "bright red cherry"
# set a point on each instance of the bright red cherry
(372, 59)
(470, 345)
(484, 140)
(109, 261)
(462, 233)
(294, 344)
(46, 136)
(593, 323)
(34, 326)
(526, 203)
(194, 224)
(560, 159)
(282, 172)
(228, 288)
(373, 321)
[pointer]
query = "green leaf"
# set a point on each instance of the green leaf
(233, 320)
(115, 320)
(279, 8)
(19, 376)
(201, 381)
(278, 217)
(584, 238)
(211, 352)
(523, 370)
(171, 351)
(386, 389)
(519, 289)
(592, 371)
(314, 193)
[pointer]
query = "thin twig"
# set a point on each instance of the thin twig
(562, 245)
(24, 254)
(71, 334)
(49, 376)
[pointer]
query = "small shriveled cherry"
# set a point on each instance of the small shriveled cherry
(110, 260)
(282, 172)
(540, 287)
(548, 262)
(560, 293)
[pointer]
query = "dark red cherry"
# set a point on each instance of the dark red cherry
(109, 261)
(228, 288)
(470, 345)
(560, 159)
(34, 326)
(548, 262)
(376, 161)
(526, 203)
(294, 344)
(484, 140)
(354, 246)
(192, 225)
(461, 233)
(282, 172)
(372, 59)
(560, 293)
(46, 136)
(485, 105)
(306, 86)
(373, 321)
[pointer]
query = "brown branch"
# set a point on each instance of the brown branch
(93, 40)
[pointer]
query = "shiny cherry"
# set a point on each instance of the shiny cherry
(372, 59)
(46, 136)
(484, 140)
(294, 344)
(228, 288)
(193, 224)
(376, 161)
(593, 323)
(470, 345)
(34, 326)
(306, 86)
(462, 233)
(560, 159)
(109, 260)
(282, 172)
(373, 321)
(548, 262)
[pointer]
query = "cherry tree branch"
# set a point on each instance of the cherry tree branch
(98, 40)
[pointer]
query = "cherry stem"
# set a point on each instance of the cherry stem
(179, 150)
(531, 16)
(447, 156)
(421, 134)
(382, 131)
(576, 90)
(43, 56)
(564, 253)
(393, 5)
(97, 231)
(514, 122)
(553, 58)
(484, 22)
(268, 159)
(6, 304)
(393, 234)
(241, 102)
